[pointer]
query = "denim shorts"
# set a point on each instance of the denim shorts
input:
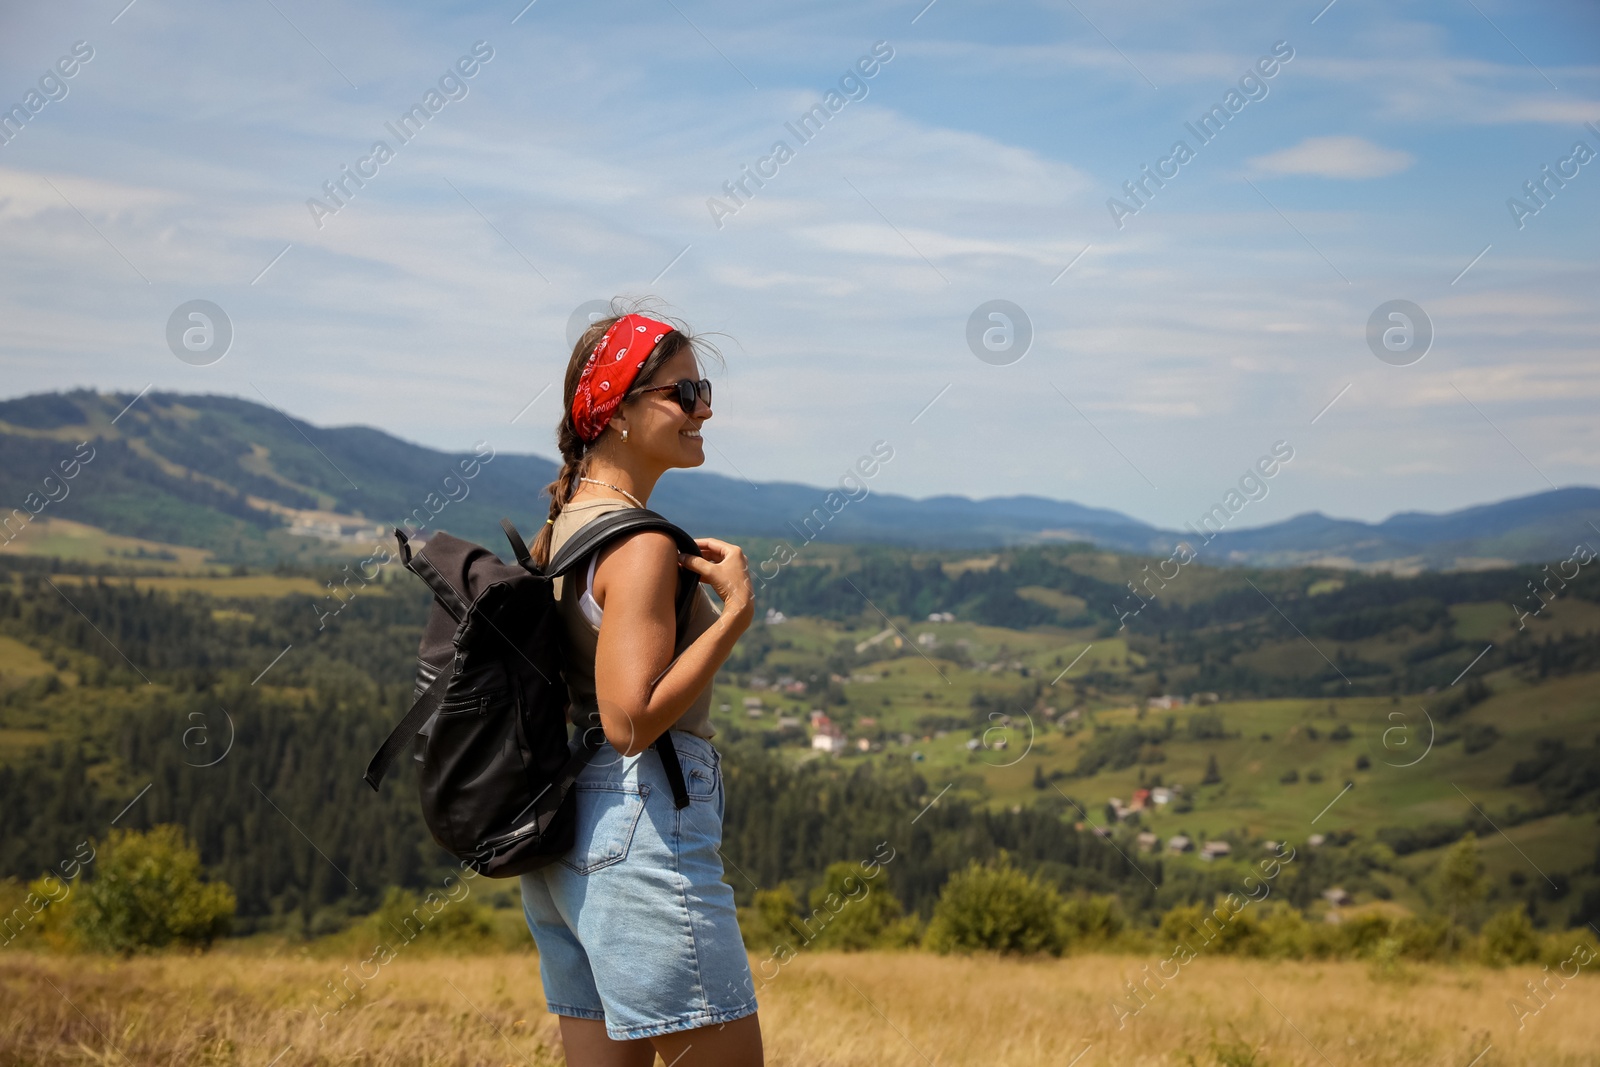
(635, 925)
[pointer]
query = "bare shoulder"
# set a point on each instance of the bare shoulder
(643, 563)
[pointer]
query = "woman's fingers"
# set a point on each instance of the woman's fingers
(721, 565)
(712, 548)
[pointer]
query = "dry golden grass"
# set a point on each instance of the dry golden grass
(911, 1009)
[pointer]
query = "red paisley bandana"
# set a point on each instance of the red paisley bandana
(611, 369)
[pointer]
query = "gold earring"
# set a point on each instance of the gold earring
(624, 433)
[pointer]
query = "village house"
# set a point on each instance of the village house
(828, 736)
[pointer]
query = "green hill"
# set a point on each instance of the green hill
(248, 703)
(249, 483)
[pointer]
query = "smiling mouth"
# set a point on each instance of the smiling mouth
(690, 433)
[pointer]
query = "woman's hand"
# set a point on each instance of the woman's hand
(723, 566)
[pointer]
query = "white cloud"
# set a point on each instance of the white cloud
(1335, 157)
(1202, 332)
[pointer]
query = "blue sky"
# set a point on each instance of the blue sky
(1225, 315)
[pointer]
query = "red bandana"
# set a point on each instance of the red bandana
(609, 372)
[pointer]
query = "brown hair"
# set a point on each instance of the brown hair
(576, 452)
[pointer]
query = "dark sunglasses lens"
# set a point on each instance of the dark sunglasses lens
(687, 391)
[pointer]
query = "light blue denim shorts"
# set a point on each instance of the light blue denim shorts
(635, 925)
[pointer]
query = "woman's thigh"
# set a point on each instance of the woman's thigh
(585, 1043)
(734, 1044)
(731, 1044)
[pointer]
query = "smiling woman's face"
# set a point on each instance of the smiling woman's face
(658, 427)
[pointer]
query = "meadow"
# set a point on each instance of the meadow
(884, 1009)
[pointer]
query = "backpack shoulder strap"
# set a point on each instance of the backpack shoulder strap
(600, 531)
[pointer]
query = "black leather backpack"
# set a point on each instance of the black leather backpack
(489, 725)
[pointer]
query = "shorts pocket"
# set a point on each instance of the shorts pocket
(700, 778)
(608, 814)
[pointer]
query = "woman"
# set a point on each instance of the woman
(639, 945)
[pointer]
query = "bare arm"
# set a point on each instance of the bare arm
(635, 583)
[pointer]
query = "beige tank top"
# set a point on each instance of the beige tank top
(583, 636)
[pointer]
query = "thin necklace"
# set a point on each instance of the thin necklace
(618, 488)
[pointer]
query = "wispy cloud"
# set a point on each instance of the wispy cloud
(990, 144)
(1335, 157)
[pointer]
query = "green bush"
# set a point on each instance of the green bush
(435, 920)
(1561, 949)
(1092, 921)
(1509, 937)
(1360, 935)
(1217, 929)
(855, 913)
(998, 908)
(1284, 934)
(769, 921)
(1421, 939)
(146, 891)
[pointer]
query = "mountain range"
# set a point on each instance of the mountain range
(251, 483)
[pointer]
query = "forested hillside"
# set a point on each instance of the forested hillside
(247, 482)
(245, 706)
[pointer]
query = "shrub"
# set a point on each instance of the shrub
(1092, 920)
(1284, 933)
(435, 920)
(1422, 939)
(38, 913)
(768, 920)
(147, 892)
(1361, 934)
(1561, 949)
(1509, 937)
(54, 927)
(999, 908)
(858, 913)
(1217, 929)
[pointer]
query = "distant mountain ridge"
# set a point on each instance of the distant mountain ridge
(240, 478)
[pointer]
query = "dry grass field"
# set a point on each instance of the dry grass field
(883, 1008)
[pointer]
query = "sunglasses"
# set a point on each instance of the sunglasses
(687, 392)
